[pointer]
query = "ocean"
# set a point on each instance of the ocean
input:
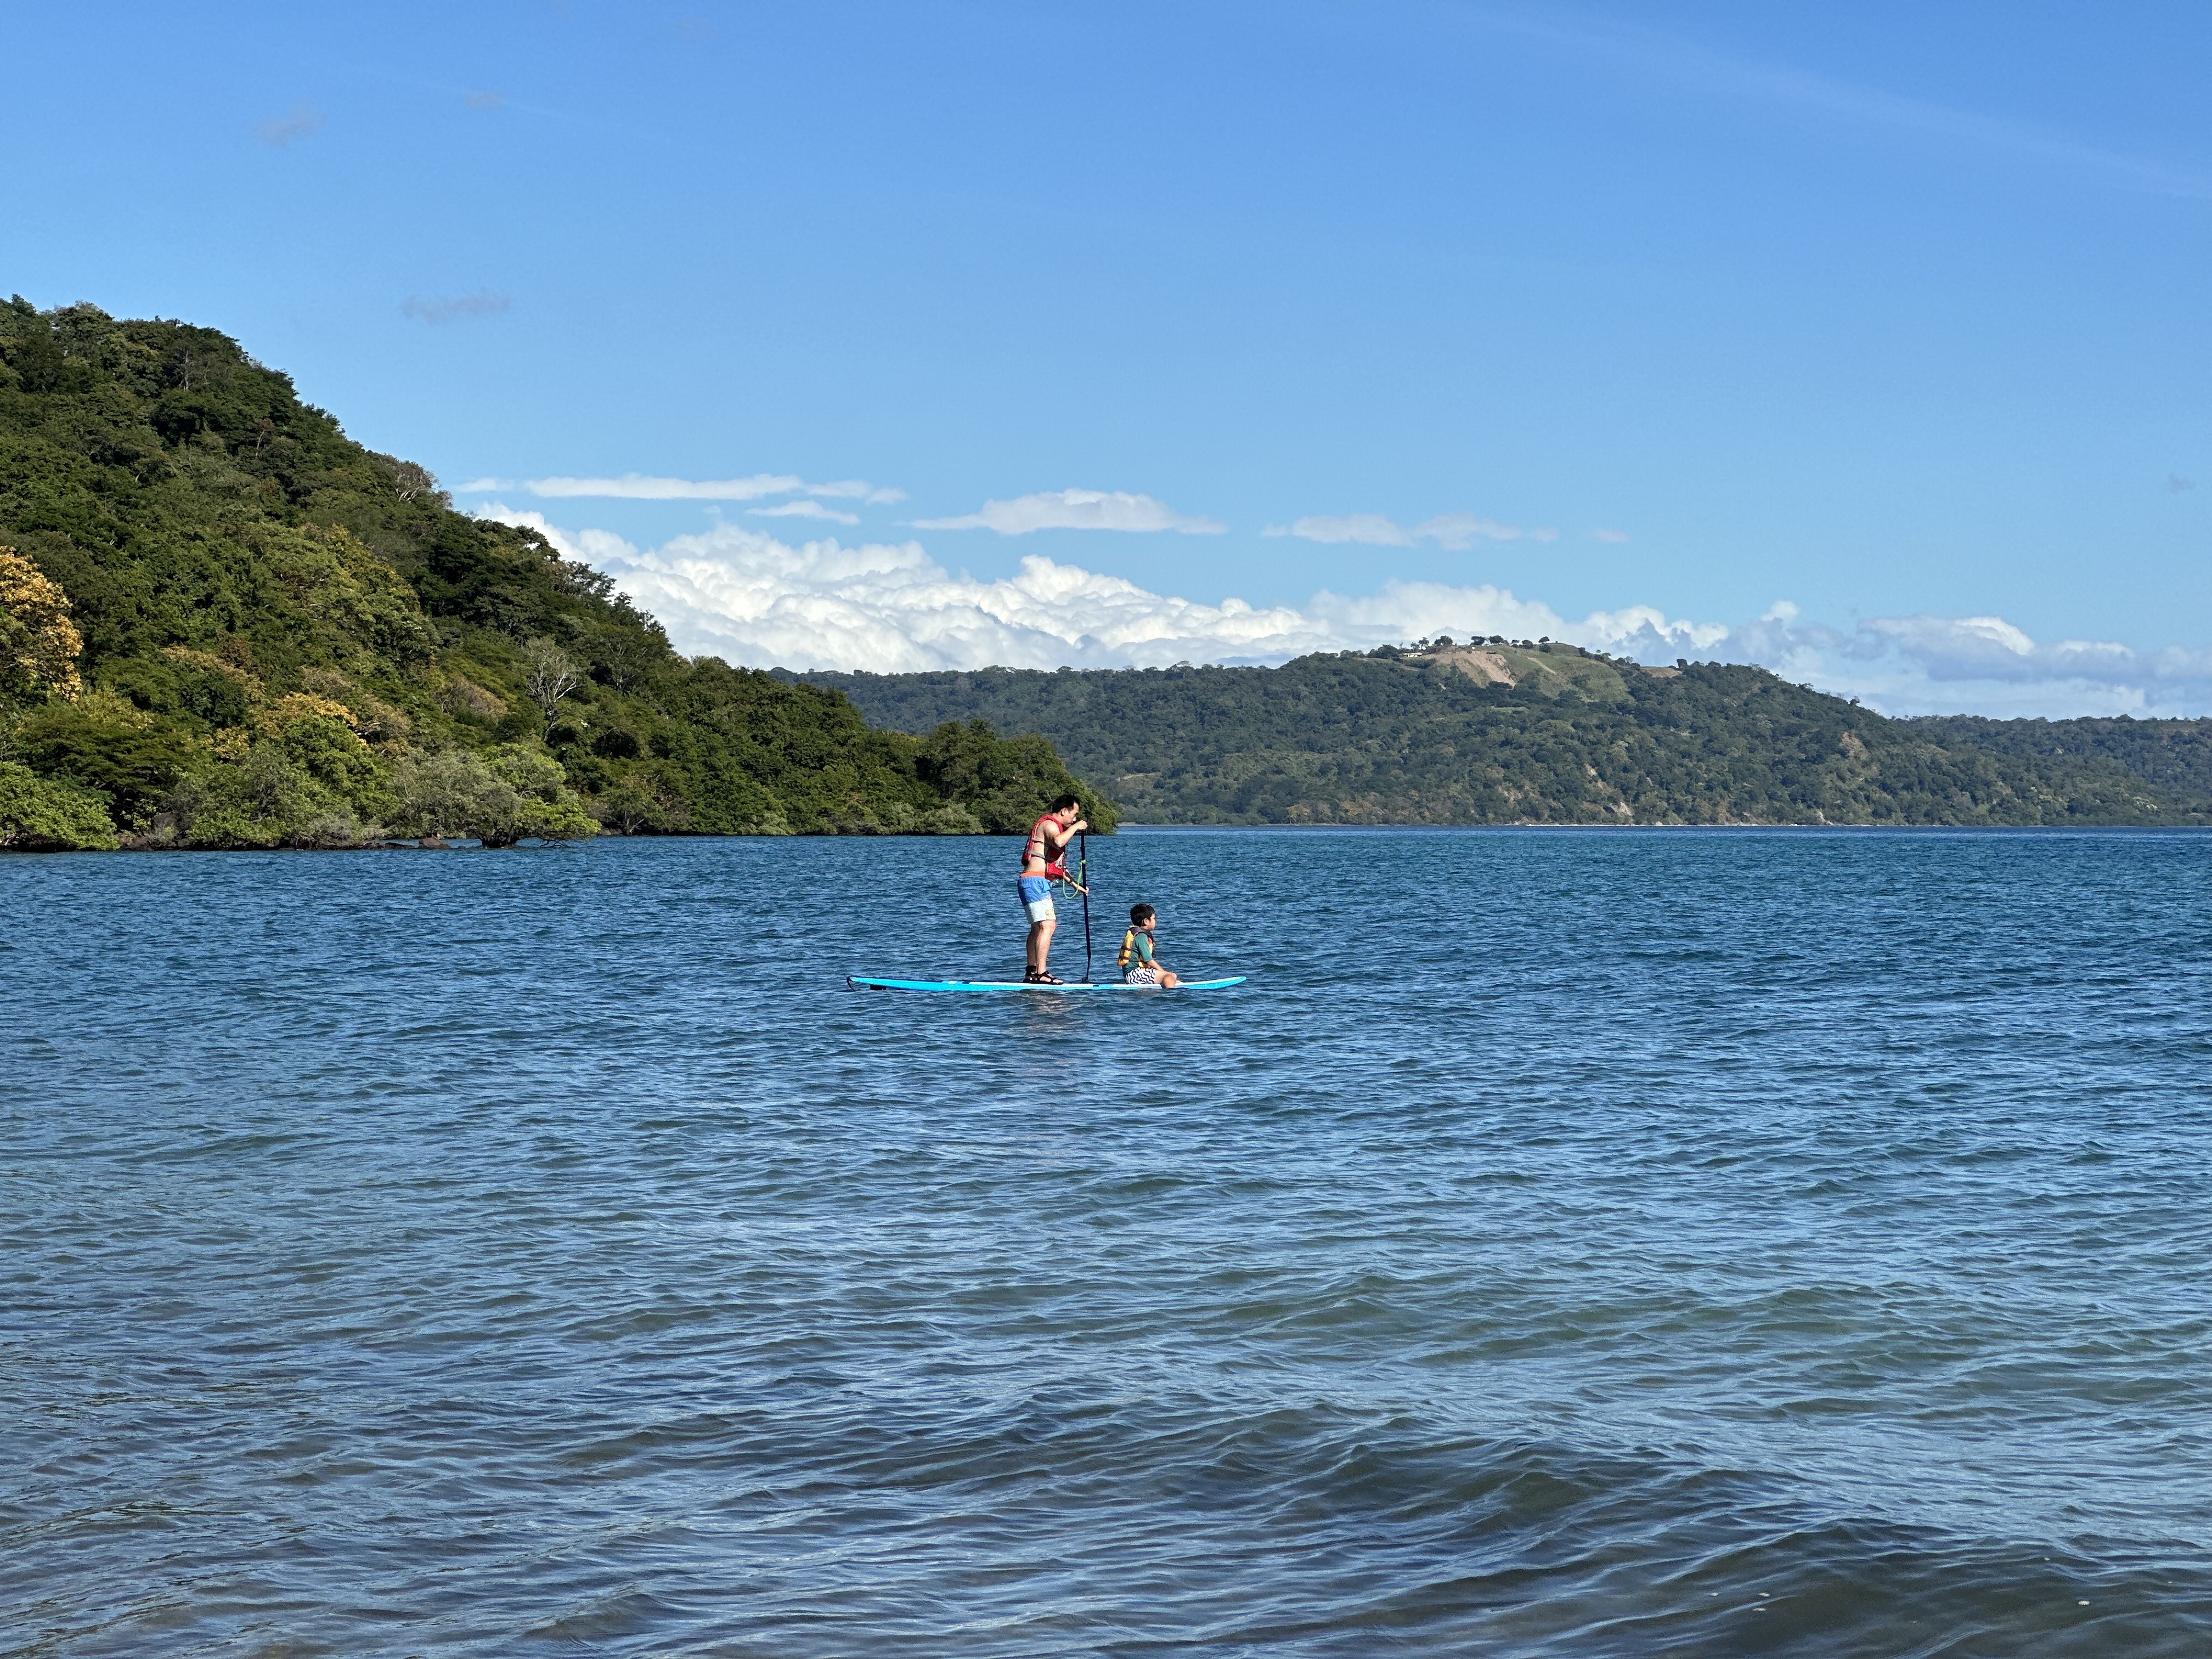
(1567, 1242)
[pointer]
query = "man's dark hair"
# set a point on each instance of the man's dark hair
(1066, 801)
(1139, 913)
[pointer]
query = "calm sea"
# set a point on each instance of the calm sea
(1568, 1243)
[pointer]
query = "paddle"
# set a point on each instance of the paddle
(1083, 880)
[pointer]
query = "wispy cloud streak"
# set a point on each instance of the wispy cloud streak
(644, 487)
(1077, 509)
(1689, 62)
(485, 302)
(805, 509)
(1455, 532)
(295, 123)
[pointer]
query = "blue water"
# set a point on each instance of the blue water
(1567, 1243)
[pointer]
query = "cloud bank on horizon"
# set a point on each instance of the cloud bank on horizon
(739, 594)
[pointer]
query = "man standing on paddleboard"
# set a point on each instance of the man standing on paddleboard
(1041, 867)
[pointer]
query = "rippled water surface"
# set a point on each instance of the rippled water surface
(1567, 1243)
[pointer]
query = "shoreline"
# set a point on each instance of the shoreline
(452, 846)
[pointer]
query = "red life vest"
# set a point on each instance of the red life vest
(1037, 840)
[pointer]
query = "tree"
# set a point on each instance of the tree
(548, 675)
(638, 803)
(409, 480)
(515, 795)
(101, 742)
(36, 812)
(626, 657)
(39, 643)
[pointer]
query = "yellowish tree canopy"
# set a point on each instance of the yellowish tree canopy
(39, 643)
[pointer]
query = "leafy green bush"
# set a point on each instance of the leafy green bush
(266, 799)
(514, 795)
(641, 804)
(46, 813)
(98, 743)
(325, 750)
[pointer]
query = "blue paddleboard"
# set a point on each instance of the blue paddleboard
(867, 982)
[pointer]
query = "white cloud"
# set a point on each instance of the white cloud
(1610, 535)
(856, 489)
(1368, 529)
(741, 594)
(1924, 665)
(1458, 532)
(1642, 632)
(1454, 531)
(1076, 509)
(804, 510)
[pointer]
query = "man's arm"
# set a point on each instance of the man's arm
(1060, 844)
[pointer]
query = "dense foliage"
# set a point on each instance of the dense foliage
(222, 623)
(2174, 755)
(1512, 733)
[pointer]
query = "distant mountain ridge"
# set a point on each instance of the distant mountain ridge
(1506, 732)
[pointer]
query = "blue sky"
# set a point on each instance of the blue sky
(1653, 315)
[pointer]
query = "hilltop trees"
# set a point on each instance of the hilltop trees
(229, 625)
(1528, 732)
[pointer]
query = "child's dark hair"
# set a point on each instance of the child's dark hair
(1066, 801)
(1141, 913)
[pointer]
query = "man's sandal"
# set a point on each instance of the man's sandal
(1033, 977)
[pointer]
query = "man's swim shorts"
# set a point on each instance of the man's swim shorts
(1036, 897)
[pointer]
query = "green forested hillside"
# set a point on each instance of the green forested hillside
(2174, 755)
(1509, 733)
(225, 624)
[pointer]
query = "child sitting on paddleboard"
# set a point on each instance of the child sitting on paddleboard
(1137, 962)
